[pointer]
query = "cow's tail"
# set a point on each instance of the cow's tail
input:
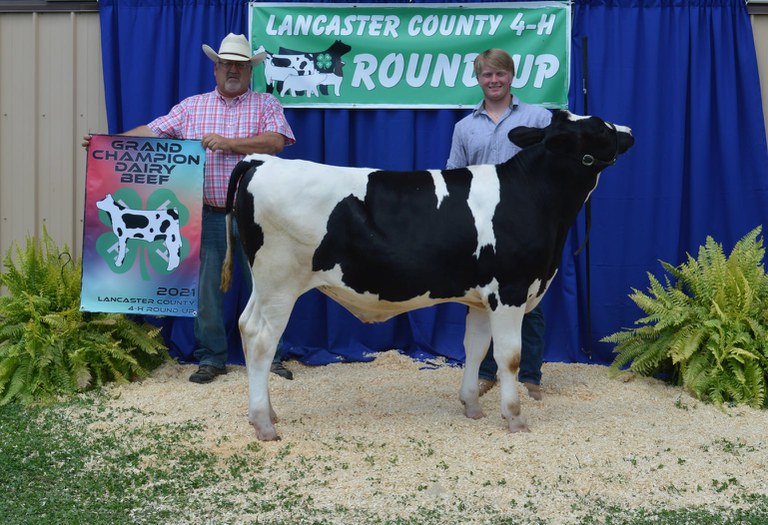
(240, 169)
(226, 268)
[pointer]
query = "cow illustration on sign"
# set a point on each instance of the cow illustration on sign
(298, 73)
(143, 225)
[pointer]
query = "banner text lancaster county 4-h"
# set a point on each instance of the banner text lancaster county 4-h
(398, 56)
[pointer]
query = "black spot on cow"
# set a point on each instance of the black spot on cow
(281, 62)
(133, 221)
(493, 301)
(380, 250)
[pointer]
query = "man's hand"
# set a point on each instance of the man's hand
(215, 142)
(268, 142)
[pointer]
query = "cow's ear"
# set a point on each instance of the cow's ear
(561, 142)
(523, 136)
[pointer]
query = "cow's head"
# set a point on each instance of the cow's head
(339, 48)
(590, 140)
(108, 203)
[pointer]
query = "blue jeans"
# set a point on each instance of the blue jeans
(532, 350)
(210, 331)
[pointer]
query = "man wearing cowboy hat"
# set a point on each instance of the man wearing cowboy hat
(231, 121)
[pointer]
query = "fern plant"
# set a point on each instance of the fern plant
(707, 325)
(48, 347)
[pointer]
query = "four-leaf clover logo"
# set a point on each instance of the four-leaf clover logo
(324, 62)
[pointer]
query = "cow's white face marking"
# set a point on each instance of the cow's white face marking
(620, 129)
(484, 195)
(575, 118)
(441, 189)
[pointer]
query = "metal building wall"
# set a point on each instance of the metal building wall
(760, 34)
(51, 94)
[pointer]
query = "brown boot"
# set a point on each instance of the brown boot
(279, 369)
(484, 385)
(534, 390)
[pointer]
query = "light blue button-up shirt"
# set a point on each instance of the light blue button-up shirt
(477, 139)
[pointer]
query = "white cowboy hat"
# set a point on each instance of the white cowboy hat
(235, 48)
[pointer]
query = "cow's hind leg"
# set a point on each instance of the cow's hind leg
(173, 245)
(260, 331)
(477, 338)
(506, 326)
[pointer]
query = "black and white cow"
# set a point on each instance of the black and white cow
(382, 243)
(327, 62)
(143, 225)
(278, 68)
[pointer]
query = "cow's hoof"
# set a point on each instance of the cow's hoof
(473, 412)
(479, 414)
(518, 425)
(266, 434)
(472, 407)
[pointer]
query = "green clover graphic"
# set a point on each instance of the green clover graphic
(324, 62)
(138, 231)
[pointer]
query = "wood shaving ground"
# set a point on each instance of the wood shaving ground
(397, 426)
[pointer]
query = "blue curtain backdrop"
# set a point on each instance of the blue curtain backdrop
(683, 75)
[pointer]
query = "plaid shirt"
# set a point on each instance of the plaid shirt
(248, 115)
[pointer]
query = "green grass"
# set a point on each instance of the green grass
(66, 464)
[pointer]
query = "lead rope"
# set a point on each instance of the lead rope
(587, 210)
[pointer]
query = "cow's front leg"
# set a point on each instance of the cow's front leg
(121, 249)
(259, 344)
(477, 338)
(506, 326)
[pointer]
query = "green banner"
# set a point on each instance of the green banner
(405, 56)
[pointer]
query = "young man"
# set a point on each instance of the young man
(231, 121)
(481, 138)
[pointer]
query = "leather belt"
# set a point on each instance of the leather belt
(214, 209)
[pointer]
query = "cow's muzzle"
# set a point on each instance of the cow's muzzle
(590, 160)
